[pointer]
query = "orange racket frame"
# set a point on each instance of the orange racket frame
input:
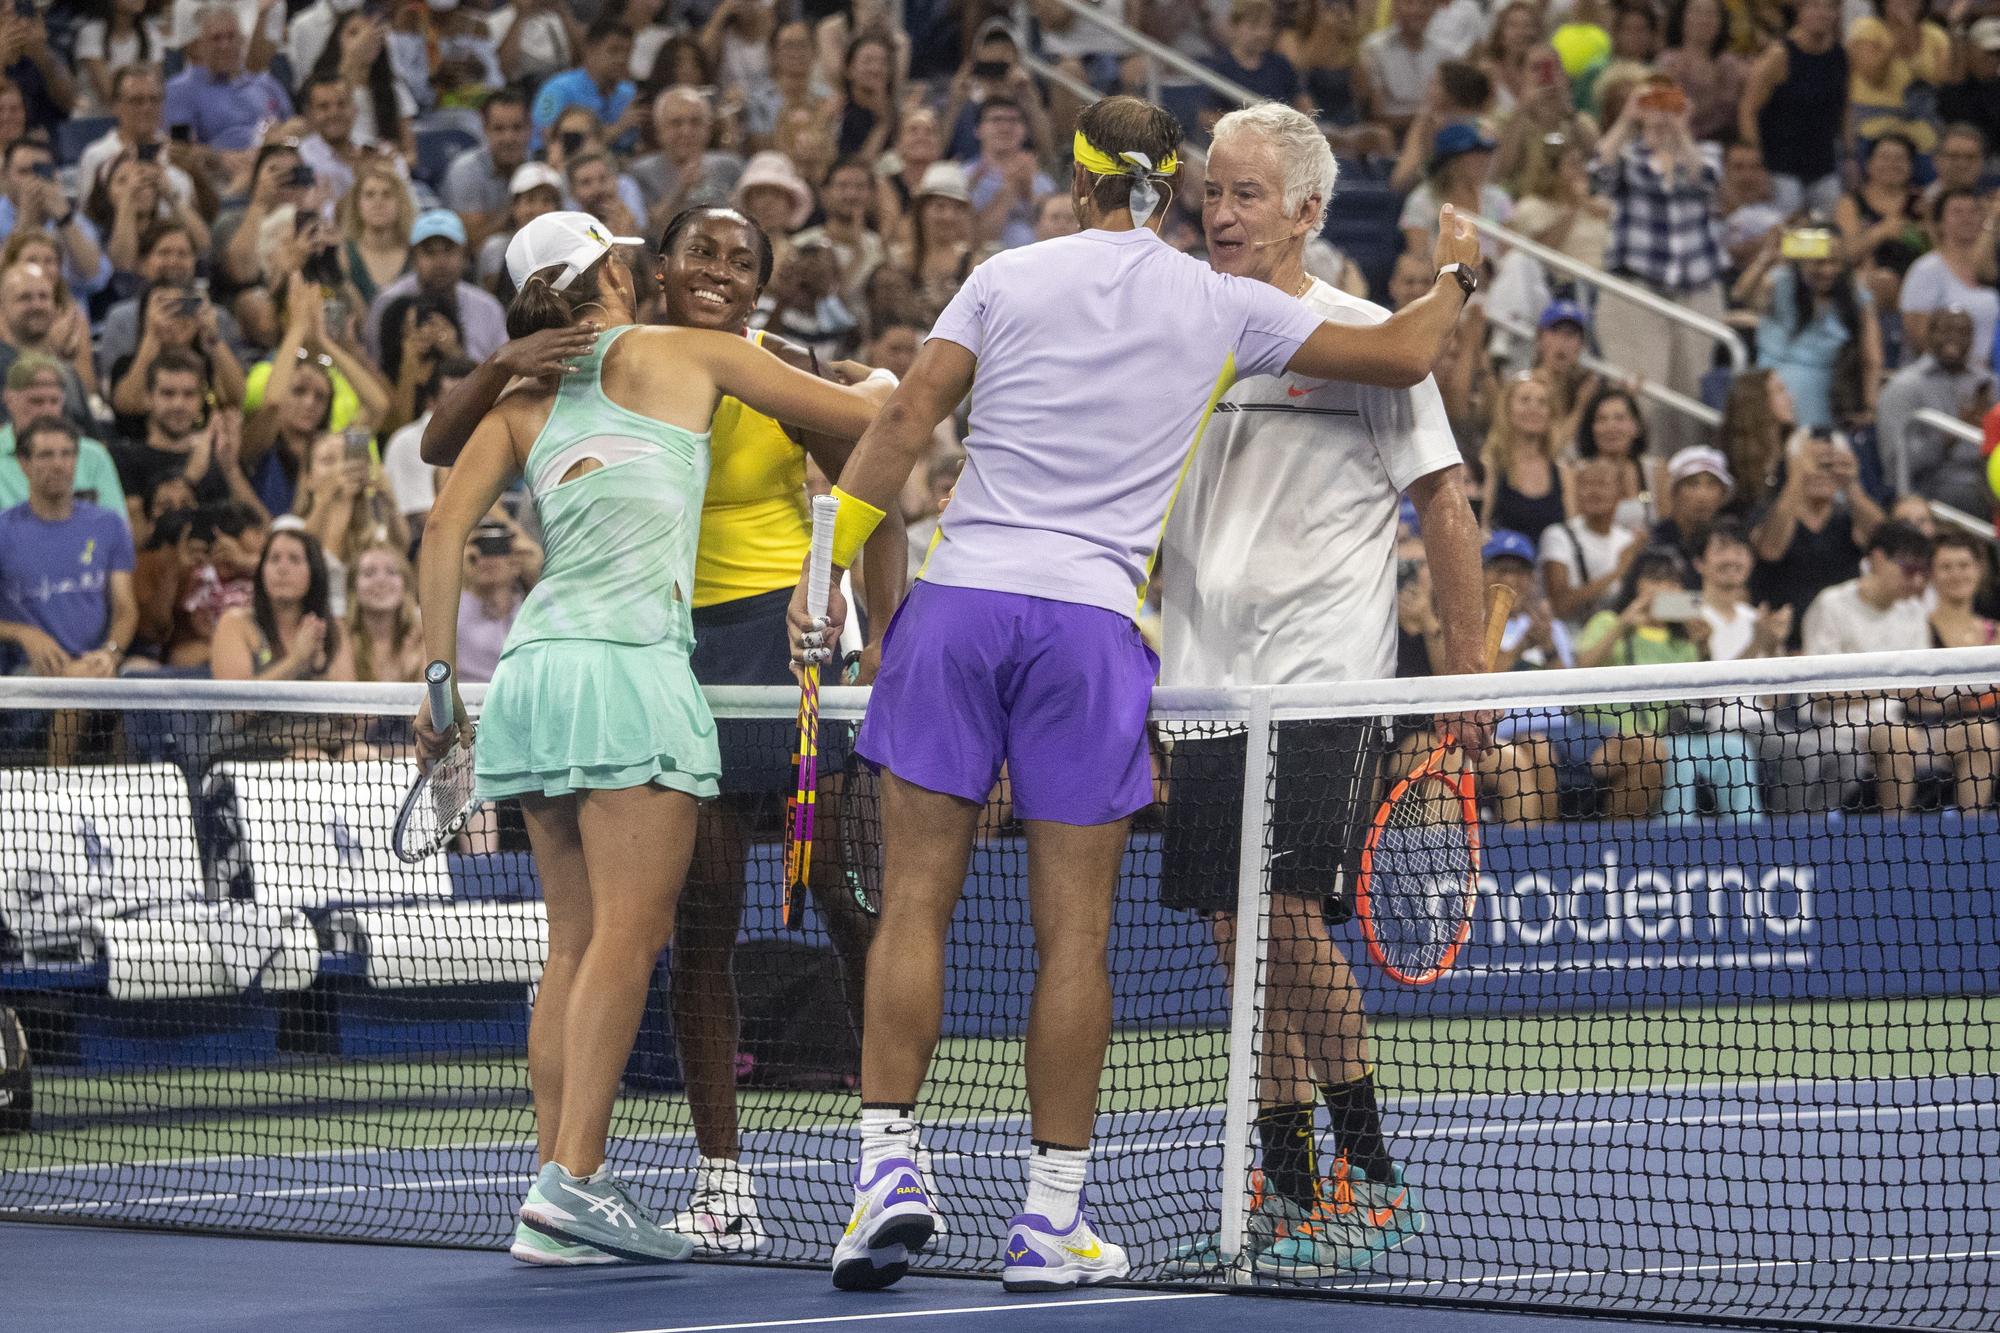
(1439, 766)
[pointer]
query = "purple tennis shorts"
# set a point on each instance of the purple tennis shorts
(1057, 690)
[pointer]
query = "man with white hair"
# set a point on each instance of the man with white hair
(683, 173)
(1279, 567)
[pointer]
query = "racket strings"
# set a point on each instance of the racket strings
(1424, 861)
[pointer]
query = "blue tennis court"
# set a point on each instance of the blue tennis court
(1593, 1201)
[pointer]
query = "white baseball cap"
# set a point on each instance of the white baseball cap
(573, 240)
(534, 176)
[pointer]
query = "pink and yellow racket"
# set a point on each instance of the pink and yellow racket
(799, 807)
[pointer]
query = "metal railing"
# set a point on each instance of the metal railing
(1958, 430)
(1715, 329)
(1157, 54)
(1049, 73)
(1692, 408)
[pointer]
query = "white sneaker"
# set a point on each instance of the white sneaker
(892, 1220)
(930, 1190)
(721, 1218)
(1041, 1258)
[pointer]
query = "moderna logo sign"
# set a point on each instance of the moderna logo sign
(1610, 903)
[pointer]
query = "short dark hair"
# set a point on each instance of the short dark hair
(48, 425)
(1899, 541)
(513, 97)
(1964, 129)
(1001, 104)
(1465, 83)
(158, 230)
(606, 25)
(175, 361)
(124, 73)
(1725, 528)
(1960, 541)
(1946, 196)
(331, 78)
(687, 217)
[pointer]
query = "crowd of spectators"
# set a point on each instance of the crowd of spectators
(244, 246)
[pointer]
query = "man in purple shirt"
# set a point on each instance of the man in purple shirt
(225, 105)
(66, 600)
(1098, 358)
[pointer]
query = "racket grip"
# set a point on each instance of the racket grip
(819, 568)
(437, 682)
(1499, 608)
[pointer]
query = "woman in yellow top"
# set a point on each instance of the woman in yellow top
(712, 266)
(1898, 59)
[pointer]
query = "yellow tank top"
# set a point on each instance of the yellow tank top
(755, 525)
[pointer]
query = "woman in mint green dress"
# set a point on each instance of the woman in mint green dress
(593, 718)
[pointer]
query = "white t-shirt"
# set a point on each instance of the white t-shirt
(1586, 554)
(1730, 637)
(411, 479)
(1100, 356)
(91, 44)
(1930, 286)
(1279, 562)
(1839, 621)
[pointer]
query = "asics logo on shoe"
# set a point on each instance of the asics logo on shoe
(609, 1206)
(1091, 1251)
(1382, 1217)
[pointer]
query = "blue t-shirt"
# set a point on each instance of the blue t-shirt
(57, 576)
(575, 87)
(1274, 78)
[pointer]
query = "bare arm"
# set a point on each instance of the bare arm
(1451, 545)
(1772, 537)
(761, 381)
(900, 434)
(539, 356)
(483, 470)
(1765, 76)
(124, 612)
(1399, 352)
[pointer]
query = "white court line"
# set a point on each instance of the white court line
(1415, 1103)
(1791, 1117)
(1663, 1270)
(1009, 1307)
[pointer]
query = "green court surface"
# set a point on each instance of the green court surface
(322, 1106)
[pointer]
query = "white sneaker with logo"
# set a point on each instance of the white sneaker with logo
(721, 1218)
(1038, 1257)
(599, 1212)
(892, 1220)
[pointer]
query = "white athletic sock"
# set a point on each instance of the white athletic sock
(1055, 1183)
(722, 1175)
(886, 1132)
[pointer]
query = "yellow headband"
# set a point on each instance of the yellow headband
(1098, 162)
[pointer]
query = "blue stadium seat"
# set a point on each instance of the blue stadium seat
(1362, 222)
(73, 136)
(435, 151)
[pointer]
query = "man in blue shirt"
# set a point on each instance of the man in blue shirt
(66, 597)
(30, 197)
(598, 84)
(223, 104)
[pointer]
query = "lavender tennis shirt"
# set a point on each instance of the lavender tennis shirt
(1100, 358)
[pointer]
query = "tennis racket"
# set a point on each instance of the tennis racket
(1420, 864)
(440, 801)
(799, 809)
(861, 835)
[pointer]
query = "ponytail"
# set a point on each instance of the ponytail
(538, 305)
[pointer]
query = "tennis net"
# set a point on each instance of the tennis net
(1720, 1042)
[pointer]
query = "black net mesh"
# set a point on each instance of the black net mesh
(1720, 1040)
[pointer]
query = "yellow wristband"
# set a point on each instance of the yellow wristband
(852, 525)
